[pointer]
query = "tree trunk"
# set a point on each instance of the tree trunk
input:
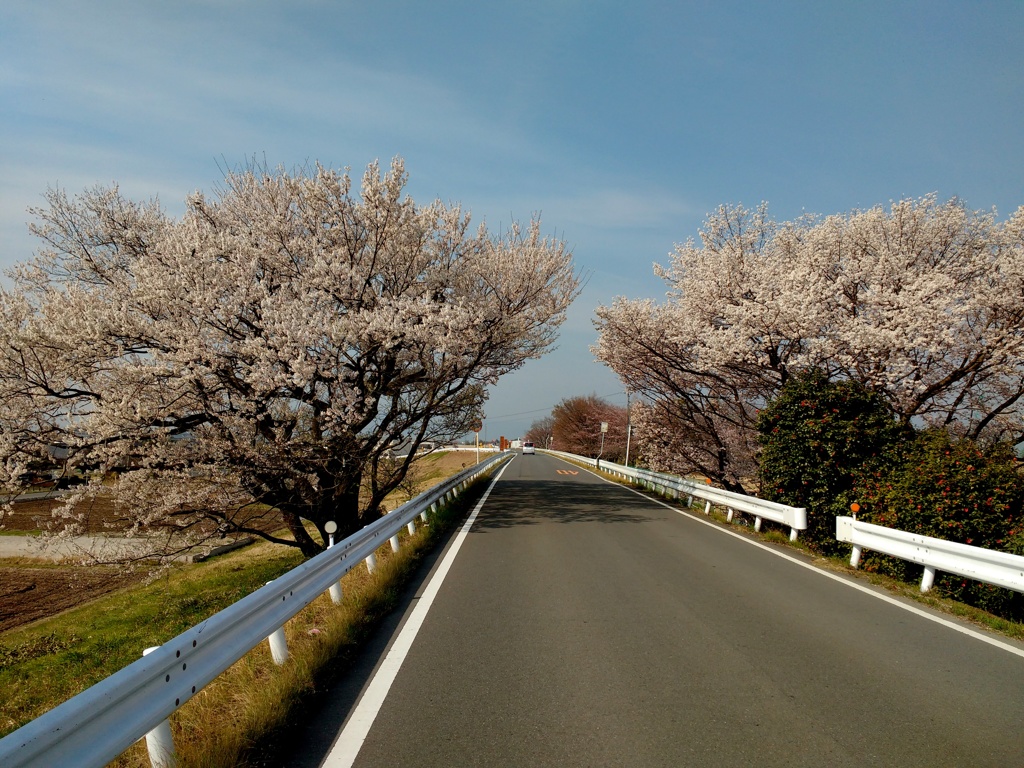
(303, 540)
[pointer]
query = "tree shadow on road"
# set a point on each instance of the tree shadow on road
(550, 502)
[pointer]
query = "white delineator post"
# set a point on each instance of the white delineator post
(855, 555)
(159, 741)
(335, 589)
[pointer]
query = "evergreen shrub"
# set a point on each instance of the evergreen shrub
(815, 438)
(957, 490)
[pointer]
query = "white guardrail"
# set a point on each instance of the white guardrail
(98, 724)
(794, 517)
(990, 566)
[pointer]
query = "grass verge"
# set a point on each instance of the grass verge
(244, 717)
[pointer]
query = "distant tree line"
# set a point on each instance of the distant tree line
(574, 426)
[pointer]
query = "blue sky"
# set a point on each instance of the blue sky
(622, 124)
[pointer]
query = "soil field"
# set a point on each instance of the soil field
(28, 594)
(26, 516)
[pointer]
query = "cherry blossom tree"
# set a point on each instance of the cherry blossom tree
(576, 427)
(921, 302)
(245, 367)
(540, 432)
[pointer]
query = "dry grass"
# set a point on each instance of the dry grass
(243, 715)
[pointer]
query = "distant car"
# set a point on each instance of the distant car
(528, 448)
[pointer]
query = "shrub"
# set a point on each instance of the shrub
(815, 438)
(957, 490)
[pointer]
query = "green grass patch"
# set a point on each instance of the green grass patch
(50, 661)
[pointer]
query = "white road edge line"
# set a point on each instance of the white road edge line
(835, 577)
(350, 740)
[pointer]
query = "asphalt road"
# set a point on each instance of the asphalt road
(581, 624)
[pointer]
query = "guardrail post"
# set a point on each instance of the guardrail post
(278, 644)
(159, 741)
(793, 534)
(395, 544)
(855, 556)
(335, 592)
(371, 562)
(928, 579)
(728, 514)
(411, 527)
(757, 524)
(707, 508)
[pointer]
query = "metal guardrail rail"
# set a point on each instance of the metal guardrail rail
(794, 517)
(97, 725)
(990, 566)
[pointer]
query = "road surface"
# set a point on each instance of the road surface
(581, 624)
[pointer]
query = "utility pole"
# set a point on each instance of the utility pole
(629, 427)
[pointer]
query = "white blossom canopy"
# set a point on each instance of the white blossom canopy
(255, 358)
(922, 302)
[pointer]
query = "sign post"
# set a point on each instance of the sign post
(477, 426)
